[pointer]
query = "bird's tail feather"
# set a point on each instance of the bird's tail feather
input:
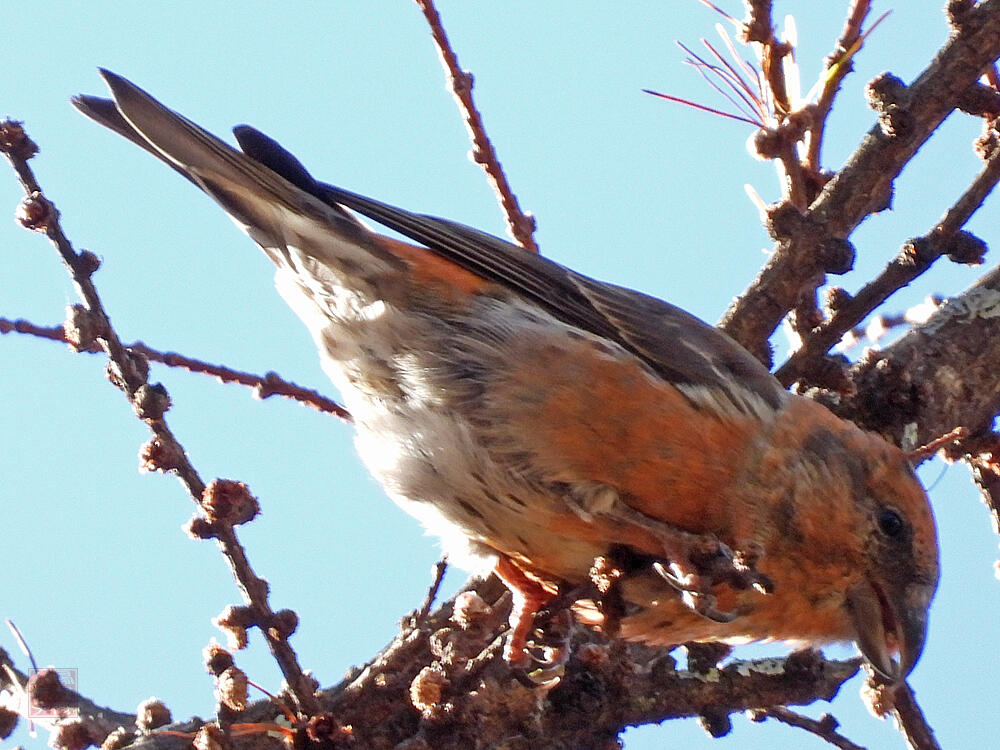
(265, 203)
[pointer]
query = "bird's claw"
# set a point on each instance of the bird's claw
(744, 562)
(698, 562)
(709, 562)
(548, 658)
(694, 593)
(545, 677)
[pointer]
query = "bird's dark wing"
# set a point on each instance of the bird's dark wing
(678, 346)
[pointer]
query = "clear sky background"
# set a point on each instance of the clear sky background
(627, 188)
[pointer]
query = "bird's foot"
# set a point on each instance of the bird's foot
(693, 564)
(529, 596)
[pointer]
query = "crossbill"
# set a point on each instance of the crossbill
(538, 420)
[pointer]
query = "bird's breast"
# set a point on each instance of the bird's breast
(421, 385)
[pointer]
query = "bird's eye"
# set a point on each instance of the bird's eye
(890, 523)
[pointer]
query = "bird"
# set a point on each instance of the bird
(547, 425)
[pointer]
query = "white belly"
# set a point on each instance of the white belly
(417, 387)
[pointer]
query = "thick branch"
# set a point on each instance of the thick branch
(938, 376)
(469, 702)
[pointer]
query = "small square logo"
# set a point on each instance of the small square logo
(69, 679)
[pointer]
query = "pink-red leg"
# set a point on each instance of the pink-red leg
(529, 596)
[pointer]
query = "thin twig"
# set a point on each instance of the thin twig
(838, 65)
(440, 568)
(912, 723)
(874, 331)
(983, 455)
(806, 314)
(520, 225)
(128, 370)
(825, 727)
(759, 28)
(21, 642)
(922, 452)
(263, 386)
(12, 679)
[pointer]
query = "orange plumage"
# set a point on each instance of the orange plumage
(539, 420)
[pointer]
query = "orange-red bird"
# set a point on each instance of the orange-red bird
(538, 419)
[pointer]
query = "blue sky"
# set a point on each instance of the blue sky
(625, 187)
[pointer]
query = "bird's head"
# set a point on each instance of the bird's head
(876, 517)
(888, 606)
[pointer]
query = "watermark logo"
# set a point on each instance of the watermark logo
(44, 694)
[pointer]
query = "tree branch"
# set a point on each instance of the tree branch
(809, 248)
(825, 727)
(520, 225)
(914, 259)
(263, 386)
(129, 372)
(467, 702)
(936, 377)
(898, 701)
(839, 63)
